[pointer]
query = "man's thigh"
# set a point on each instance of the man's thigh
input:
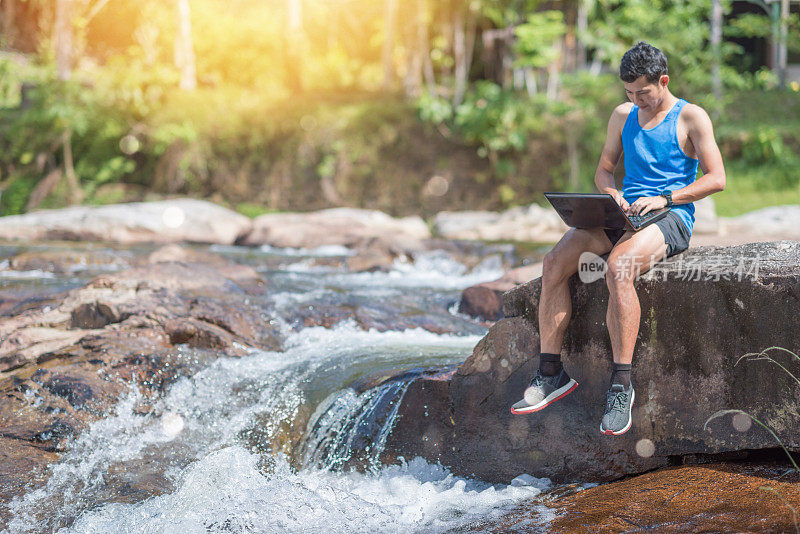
(636, 252)
(576, 241)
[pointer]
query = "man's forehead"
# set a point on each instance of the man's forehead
(639, 84)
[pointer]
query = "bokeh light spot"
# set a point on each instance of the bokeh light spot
(645, 448)
(172, 424)
(308, 123)
(742, 422)
(437, 186)
(129, 144)
(173, 217)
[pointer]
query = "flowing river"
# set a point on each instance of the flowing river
(206, 457)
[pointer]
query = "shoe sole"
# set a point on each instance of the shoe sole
(560, 393)
(627, 427)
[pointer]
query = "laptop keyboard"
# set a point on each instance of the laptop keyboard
(636, 219)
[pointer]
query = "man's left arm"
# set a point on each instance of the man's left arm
(701, 134)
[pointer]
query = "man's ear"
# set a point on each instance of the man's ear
(664, 80)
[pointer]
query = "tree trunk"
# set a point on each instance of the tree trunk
(459, 53)
(293, 40)
(573, 157)
(75, 192)
(388, 44)
(582, 24)
(9, 28)
(64, 38)
(715, 41)
(782, 46)
(427, 62)
(42, 189)
(530, 81)
(184, 48)
(553, 75)
(413, 78)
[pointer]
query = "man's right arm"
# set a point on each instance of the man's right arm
(612, 150)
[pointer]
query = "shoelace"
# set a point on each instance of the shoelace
(537, 380)
(618, 404)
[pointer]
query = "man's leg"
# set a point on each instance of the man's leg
(555, 308)
(634, 254)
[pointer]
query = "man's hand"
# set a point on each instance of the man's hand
(620, 199)
(645, 204)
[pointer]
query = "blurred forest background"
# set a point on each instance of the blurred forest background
(408, 107)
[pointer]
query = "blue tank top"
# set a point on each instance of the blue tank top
(655, 162)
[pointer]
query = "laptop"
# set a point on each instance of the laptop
(599, 210)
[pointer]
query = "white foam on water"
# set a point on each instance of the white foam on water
(325, 251)
(435, 269)
(34, 274)
(207, 412)
(227, 491)
(347, 336)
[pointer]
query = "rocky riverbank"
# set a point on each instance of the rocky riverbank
(77, 354)
(185, 220)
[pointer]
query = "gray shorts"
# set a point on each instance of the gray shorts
(676, 236)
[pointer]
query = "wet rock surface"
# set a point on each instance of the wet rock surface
(694, 330)
(485, 301)
(64, 363)
(717, 497)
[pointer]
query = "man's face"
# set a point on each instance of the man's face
(645, 94)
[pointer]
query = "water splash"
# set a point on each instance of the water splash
(354, 427)
(232, 490)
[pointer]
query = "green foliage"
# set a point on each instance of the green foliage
(503, 13)
(497, 119)
(751, 25)
(247, 135)
(538, 39)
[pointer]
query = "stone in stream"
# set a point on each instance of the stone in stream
(66, 363)
(532, 223)
(334, 227)
(694, 329)
(165, 221)
(485, 301)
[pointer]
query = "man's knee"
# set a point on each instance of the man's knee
(557, 266)
(620, 272)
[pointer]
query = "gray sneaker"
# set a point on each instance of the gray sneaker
(544, 391)
(617, 419)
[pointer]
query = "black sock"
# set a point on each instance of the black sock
(621, 375)
(550, 364)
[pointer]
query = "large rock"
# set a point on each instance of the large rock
(339, 226)
(717, 497)
(531, 223)
(705, 217)
(485, 301)
(166, 221)
(693, 332)
(777, 222)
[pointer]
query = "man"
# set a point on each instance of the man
(663, 138)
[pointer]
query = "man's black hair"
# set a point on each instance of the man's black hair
(643, 60)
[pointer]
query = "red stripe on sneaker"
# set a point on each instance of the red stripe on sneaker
(516, 412)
